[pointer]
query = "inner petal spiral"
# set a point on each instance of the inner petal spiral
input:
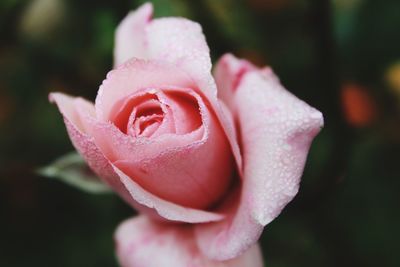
(156, 112)
(145, 119)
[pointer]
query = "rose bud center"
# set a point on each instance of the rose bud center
(153, 113)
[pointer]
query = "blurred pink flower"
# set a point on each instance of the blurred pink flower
(222, 162)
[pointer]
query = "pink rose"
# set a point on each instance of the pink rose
(224, 162)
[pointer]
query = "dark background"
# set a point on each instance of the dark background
(342, 57)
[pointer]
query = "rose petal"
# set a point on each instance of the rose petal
(166, 209)
(175, 40)
(228, 73)
(78, 118)
(180, 42)
(144, 243)
(276, 131)
(185, 110)
(72, 110)
(130, 36)
(134, 76)
(195, 176)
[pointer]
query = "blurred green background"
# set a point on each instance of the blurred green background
(341, 56)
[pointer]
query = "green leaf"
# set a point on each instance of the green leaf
(72, 169)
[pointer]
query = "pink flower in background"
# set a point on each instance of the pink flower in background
(222, 157)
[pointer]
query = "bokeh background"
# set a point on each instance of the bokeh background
(340, 56)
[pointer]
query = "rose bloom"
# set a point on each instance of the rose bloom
(207, 161)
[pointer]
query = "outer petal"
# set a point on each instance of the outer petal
(143, 243)
(178, 41)
(72, 109)
(175, 40)
(228, 73)
(165, 209)
(130, 36)
(78, 117)
(276, 132)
